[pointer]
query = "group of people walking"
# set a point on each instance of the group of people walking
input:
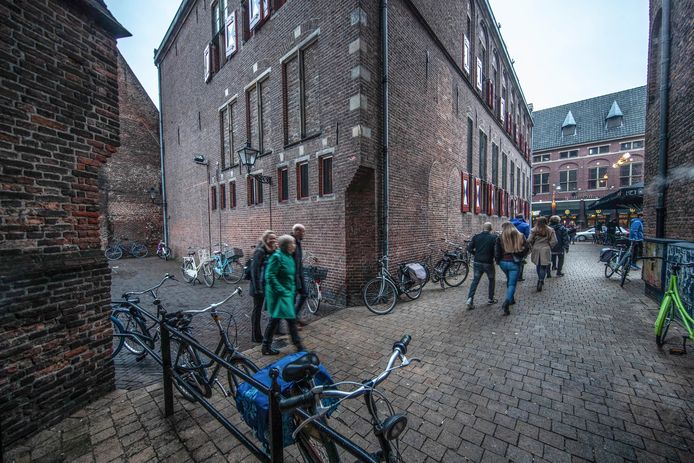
(547, 243)
(277, 284)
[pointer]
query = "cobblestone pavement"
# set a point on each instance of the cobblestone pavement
(572, 375)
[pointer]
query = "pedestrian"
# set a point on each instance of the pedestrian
(597, 232)
(562, 245)
(611, 232)
(523, 227)
(542, 240)
(572, 232)
(266, 246)
(298, 232)
(482, 246)
(636, 239)
(509, 251)
(280, 292)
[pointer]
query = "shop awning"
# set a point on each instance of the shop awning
(624, 198)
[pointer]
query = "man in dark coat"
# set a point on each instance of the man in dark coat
(482, 247)
(298, 232)
(266, 246)
(562, 245)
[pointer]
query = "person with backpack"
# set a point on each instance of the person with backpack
(561, 247)
(509, 251)
(256, 274)
(523, 227)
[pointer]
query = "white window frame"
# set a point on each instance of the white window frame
(478, 77)
(208, 62)
(231, 34)
(466, 54)
(502, 110)
(253, 13)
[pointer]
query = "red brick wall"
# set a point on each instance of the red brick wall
(59, 125)
(679, 196)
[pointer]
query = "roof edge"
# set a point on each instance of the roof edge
(104, 18)
(160, 52)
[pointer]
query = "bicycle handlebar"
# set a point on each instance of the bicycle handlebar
(238, 291)
(168, 276)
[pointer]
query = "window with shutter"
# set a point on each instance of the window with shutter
(230, 34)
(466, 54)
(302, 180)
(325, 175)
(208, 61)
(479, 75)
(465, 192)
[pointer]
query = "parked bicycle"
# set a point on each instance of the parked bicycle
(192, 270)
(450, 270)
(227, 263)
(672, 309)
(316, 441)
(381, 293)
(618, 260)
(187, 360)
(312, 281)
(130, 326)
(115, 250)
(163, 251)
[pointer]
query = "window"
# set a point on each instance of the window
(567, 180)
(230, 35)
(518, 182)
(222, 196)
(599, 149)
(325, 175)
(302, 180)
(227, 127)
(568, 131)
(470, 133)
(466, 53)
(541, 157)
(625, 146)
(637, 144)
(568, 154)
(232, 195)
(483, 155)
(630, 174)
(513, 180)
(478, 75)
(597, 178)
(224, 39)
(541, 183)
(504, 170)
(495, 164)
(254, 191)
(258, 116)
(213, 198)
(282, 184)
(300, 94)
(258, 12)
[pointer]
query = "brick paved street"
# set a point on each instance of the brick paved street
(572, 375)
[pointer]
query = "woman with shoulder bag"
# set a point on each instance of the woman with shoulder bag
(542, 239)
(510, 249)
(266, 246)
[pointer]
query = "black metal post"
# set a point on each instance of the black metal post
(166, 365)
(276, 438)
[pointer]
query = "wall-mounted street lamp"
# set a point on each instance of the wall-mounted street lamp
(247, 157)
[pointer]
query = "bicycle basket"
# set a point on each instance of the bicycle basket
(203, 255)
(254, 405)
(416, 272)
(606, 254)
(313, 272)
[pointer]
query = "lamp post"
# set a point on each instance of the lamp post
(200, 160)
(247, 157)
(555, 188)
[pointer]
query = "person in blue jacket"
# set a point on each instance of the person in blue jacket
(523, 227)
(636, 238)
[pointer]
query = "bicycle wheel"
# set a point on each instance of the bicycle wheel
(610, 267)
(625, 272)
(130, 325)
(186, 363)
(380, 295)
(456, 273)
(313, 297)
(243, 364)
(208, 274)
(164, 252)
(232, 271)
(139, 250)
(412, 290)
(314, 446)
(662, 323)
(188, 270)
(113, 252)
(117, 337)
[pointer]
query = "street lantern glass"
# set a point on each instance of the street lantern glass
(248, 156)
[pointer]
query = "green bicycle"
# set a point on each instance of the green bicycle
(672, 308)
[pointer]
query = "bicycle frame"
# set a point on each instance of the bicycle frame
(672, 296)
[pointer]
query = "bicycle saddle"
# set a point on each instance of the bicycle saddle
(302, 368)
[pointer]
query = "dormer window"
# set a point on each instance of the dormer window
(614, 117)
(568, 128)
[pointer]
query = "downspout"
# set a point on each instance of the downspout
(161, 161)
(663, 123)
(384, 82)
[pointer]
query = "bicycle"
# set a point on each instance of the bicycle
(380, 294)
(312, 282)
(163, 251)
(672, 308)
(315, 440)
(115, 251)
(459, 267)
(186, 359)
(227, 263)
(191, 270)
(450, 270)
(620, 261)
(130, 328)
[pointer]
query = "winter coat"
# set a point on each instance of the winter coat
(482, 246)
(522, 226)
(500, 252)
(563, 240)
(299, 262)
(280, 286)
(636, 230)
(542, 247)
(258, 261)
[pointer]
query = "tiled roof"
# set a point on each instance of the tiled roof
(590, 116)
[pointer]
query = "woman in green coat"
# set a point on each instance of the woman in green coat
(280, 293)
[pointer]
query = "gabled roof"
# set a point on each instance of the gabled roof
(589, 116)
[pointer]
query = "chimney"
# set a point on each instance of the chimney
(530, 107)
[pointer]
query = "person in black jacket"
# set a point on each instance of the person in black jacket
(561, 247)
(298, 231)
(266, 246)
(482, 246)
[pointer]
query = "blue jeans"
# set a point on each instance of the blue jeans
(479, 270)
(542, 271)
(511, 270)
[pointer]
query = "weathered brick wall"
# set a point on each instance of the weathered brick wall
(134, 168)
(59, 125)
(679, 196)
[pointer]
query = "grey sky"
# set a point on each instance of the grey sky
(563, 50)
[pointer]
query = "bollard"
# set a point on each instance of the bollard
(166, 366)
(276, 437)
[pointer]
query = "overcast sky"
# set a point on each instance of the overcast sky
(564, 50)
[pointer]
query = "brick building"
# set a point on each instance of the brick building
(585, 150)
(676, 112)
(134, 168)
(303, 83)
(59, 125)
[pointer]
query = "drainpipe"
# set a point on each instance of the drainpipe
(161, 161)
(384, 82)
(663, 124)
